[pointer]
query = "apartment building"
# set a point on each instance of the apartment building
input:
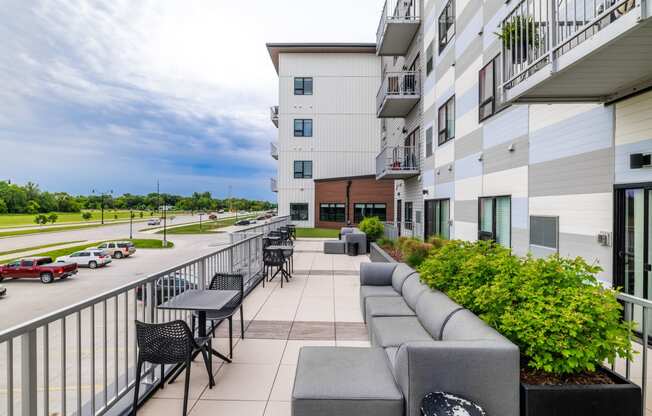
(539, 139)
(328, 134)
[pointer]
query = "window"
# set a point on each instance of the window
(408, 215)
(495, 215)
(446, 121)
(332, 212)
(437, 218)
(303, 127)
(303, 169)
(429, 60)
(302, 86)
(446, 25)
(489, 96)
(429, 142)
(544, 231)
(362, 210)
(299, 212)
(27, 263)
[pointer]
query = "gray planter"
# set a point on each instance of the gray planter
(378, 255)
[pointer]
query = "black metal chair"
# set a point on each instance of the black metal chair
(293, 230)
(225, 281)
(275, 258)
(170, 343)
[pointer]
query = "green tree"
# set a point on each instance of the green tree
(86, 215)
(53, 217)
(41, 219)
(32, 207)
(3, 206)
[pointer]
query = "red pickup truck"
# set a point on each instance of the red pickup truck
(37, 267)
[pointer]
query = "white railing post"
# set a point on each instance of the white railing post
(201, 271)
(552, 34)
(249, 260)
(28, 373)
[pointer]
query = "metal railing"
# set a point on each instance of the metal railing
(402, 83)
(397, 11)
(536, 32)
(273, 184)
(273, 150)
(81, 359)
(397, 159)
(263, 228)
(273, 114)
(390, 231)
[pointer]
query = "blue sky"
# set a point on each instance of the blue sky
(117, 94)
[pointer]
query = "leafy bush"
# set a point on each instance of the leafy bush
(372, 227)
(86, 215)
(562, 319)
(386, 242)
(413, 251)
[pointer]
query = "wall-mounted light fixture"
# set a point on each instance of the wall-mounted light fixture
(511, 147)
(425, 192)
(480, 157)
(640, 160)
(438, 172)
(404, 130)
(450, 167)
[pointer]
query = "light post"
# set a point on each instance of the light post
(131, 224)
(102, 195)
(200, 215)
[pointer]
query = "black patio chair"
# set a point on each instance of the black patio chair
(275, 258)
(170, 343)
(225, 281)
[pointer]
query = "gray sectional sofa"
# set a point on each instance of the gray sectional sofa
(348, 235)
(421, 341)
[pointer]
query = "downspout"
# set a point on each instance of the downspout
(348, 207)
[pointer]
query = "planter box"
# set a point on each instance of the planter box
(378, 255)
(620, 399)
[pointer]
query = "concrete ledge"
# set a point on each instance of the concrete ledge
(378, 255)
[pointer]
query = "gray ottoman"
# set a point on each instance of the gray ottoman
(345, 381)
(334, 247)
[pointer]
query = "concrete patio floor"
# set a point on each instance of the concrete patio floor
(319, 306)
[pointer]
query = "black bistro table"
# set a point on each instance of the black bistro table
(201, 301)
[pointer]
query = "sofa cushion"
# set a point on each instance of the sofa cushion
(334, 247)
(346, 382)
(413, 289)
(372, 291)
(391, 355)
(466, 326)
(386, 306)
(433, 310)
(392, 331)
(401, 272)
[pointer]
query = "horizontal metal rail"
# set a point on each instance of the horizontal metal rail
(401, 83)
(397, 11)
(397, 159)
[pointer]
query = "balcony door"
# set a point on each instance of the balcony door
(410, 150)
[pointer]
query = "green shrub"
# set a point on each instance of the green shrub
(414, 251)
(386, 242)
(373, 227)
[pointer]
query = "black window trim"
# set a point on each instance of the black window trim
(335, 206)
(373, 209)
(430, 58)
(445, 126)
(303, 169)
(493, 215)
(442, 38)
(303, 127)
(307, 205)
(303, 85)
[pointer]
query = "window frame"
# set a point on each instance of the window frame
(332, 216)
(445, 129)
(408, 206)
(430, 62)
(302, 172)
(493, 217)
(303, 88)
(556, 218)
(494, 100)
(304, 122)
(299, 204)
(357, 219)
(429, 141)
(443, 37)
(436, 226)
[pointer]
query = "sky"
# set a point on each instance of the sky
(117, 94)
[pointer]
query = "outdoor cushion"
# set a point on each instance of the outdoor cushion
(465, 326)
(371, 291)
(412, 289)
(401, 272)
(334, 247)
(386, 306)
(392, 331)
(340, 381)
(376, 274)
(433, 310)
(391, 355)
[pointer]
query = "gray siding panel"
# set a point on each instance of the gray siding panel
(443, 175)
(470, 54)
(466, 211)
(586, 246)
(443, 62)
(520, 241)
(500, 158)
(582, 174)
(468, 144)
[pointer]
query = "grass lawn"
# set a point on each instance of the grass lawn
(22, 220)
(206, 226)
(20, 250)
(46, 230)
(317, 233)
(139, 243)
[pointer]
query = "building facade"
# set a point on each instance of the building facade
(327, 131)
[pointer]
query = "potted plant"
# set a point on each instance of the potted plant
(373, 228)
(564, 321)
(519, 35)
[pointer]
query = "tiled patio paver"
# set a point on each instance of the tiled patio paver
(319, 306)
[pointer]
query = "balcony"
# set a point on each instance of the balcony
(397, 162)
(273, 114)
(273, 184)
(273, 150)
(398, 94)
(398, 25)
(575, 50)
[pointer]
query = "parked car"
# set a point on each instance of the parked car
(87, 258)
(116, 249)
(37, 267)
(168, 287)
(220, 211)
(212, 217)
(154, 221)
(3, 291)
(261, 218)
(243, 222)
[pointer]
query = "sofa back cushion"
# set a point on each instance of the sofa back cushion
(347, 230)
(401, 272)
(433, 310)
(413, 289)
(466, 326)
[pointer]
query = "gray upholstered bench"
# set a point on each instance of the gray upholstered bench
(334, 247)
(345, 382)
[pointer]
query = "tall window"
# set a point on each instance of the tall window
(299, 212)
(302, 86)
(429, 142)
(408, 215)
(437, 218)
(446, 121)
(332, 212)
(429, 61)
(303, 127)
(362, 210)
(489, 96)
(446, 25)
(496, 219)
(303, 169)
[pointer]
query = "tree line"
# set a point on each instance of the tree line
(30, 199)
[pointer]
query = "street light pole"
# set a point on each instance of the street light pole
(200, 215)
(131, 224)
(102, 195)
